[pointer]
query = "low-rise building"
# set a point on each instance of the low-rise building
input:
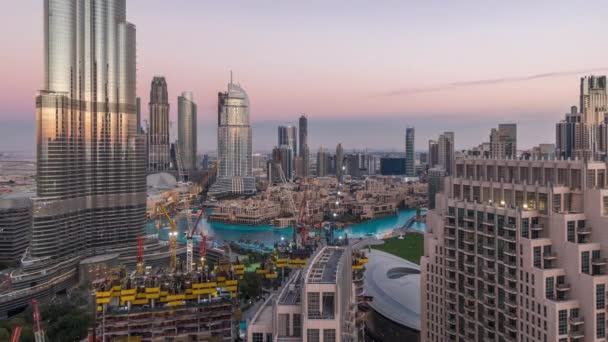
(316, 303)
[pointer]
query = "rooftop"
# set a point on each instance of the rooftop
(325, 266)
(395, 285)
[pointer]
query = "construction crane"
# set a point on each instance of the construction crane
(189, 243)
(202, 251)
(172, 238)
(180, 163)
(140, 255)
(16, 334)
(38, 332)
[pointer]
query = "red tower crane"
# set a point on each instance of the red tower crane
(16, 334)
(38, 332)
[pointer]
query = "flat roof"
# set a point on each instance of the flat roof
(395, 285)
(325, 266)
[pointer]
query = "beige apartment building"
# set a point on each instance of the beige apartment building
(516, 251)
(316, 304)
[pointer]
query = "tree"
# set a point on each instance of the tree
(4, 334)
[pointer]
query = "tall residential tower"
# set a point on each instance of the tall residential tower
(186, 130)
(410, 153)
(234, 174)
(158, 135)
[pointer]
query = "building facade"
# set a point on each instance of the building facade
(304, 150)
(91, 185)
(435, 180)
(410, 152)
(158, 135)
(15, 225)
(316, 304)
(323, 163)
(340, 167)
(234, 143)
(503, 141)
(390, 166)
(445, 152)
(514, 252)
(186, 130)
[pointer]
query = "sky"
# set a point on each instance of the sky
(361, 70)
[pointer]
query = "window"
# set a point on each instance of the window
(600, 329)
(585, 262)
(525, 225)
(537, 259)
(258, 337)
(563, 321)
(312, 335)
(549, 288)
(314, 308)
(570, 231)
(269, 337)
(605, 199)
(600, 296)
(297, 325)
(328, 305)
(329, 335)
(283, 324)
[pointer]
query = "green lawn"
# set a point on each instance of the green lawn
(410, 248)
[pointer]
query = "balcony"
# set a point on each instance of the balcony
(536, 228)
(510, 227)
(584, 230)
(510, 276)
(563, 287)
(549, 256)
(510, 238)
(576, 334)
(598, 262)
(510, 252)
(576, 321)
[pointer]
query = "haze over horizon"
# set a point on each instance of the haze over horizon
(361, 71)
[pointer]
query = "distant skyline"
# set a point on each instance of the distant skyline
(364, 68)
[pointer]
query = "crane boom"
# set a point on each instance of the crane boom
(16, 334)
(172, 239)
(189, 243)
(38, 332)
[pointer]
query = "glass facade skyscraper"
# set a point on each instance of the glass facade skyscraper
(186, 130)
(234, 174)
(158, 136)
(410, 153)
(91, 185)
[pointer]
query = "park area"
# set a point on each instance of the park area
(411, 247)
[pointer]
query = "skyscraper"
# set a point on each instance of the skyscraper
(158, 135)
(287, 139)
(445, 151)
(323, 161)
(234, 174)
(91, 184)
(433, 157)
(593, 99)
(340, 167)
(288, 136)
(304, 151)
(512, 253)
(503, 141)
(186, 130)
(410, 153)
(569, 135)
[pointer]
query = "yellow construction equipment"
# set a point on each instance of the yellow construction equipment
(172, 238)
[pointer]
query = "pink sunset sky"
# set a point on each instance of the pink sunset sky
(437, 65)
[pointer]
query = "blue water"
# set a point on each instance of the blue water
(267, 235)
